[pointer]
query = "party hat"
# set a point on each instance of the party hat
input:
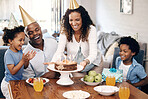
(73, 4)
(12, 23)
(27, 19)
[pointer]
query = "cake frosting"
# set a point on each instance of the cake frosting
(66, 65)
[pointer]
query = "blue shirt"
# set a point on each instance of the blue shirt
(136, 71)
(13, 58)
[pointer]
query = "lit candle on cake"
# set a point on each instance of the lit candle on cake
(70, 58)
(65, 58)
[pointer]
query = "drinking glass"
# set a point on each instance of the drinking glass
(124, 91)
(110, 80)
(38, 84)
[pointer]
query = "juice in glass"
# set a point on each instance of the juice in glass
(38, 84)
(124, 92)
(110, 80)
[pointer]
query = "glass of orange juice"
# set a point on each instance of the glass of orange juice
(110, 80)
(124, 91)
(38, 84)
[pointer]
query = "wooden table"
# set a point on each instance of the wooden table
(19, 89)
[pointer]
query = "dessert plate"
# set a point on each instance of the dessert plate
(76, 94)
(45, 80)
(64, 78)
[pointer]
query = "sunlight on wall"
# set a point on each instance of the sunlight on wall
(40, 10)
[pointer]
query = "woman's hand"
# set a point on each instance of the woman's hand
(48, 63)
(84, 63)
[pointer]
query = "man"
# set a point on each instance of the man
(45, 49)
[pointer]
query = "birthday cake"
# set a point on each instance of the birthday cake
(66, 65)
(117, 73)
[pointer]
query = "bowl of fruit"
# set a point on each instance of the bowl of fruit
(92, 78)
(30, 81)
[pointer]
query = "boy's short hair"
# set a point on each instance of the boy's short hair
(131, 42)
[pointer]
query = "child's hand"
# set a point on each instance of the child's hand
(25, 58)
(30, 55)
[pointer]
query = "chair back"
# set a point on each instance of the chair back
(2, 69)
(139, 57)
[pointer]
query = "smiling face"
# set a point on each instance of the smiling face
(17, 42)
(75, 20)
(35, 34)
(126, 54)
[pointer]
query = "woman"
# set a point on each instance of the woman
(78, 36)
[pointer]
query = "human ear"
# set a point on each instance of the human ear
(10, 41)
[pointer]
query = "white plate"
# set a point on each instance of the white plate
(76, 94)
(46, 80)
(51, 67)
(91, 83)
(106, 90)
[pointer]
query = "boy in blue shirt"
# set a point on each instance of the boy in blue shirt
(133, 72)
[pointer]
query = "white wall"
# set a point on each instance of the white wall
(107, 17)
(90, 6)
(110, 19)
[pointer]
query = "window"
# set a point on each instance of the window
(47, 12)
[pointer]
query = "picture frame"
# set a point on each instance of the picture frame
(126, 6)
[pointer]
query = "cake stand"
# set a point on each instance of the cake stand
(64, 78)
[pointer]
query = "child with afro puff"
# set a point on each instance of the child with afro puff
(14, 59)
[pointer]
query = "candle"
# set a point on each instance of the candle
(70, 58)
(59, 58)
(65, 58)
